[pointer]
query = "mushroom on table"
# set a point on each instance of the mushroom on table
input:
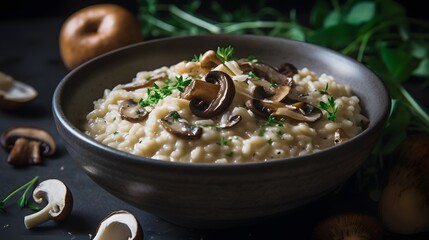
(27, 144)
(13, 93)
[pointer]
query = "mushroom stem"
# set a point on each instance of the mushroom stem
(201, 90)
(25, 152)
(37, 218)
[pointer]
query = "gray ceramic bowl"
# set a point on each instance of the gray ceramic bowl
(208, 195)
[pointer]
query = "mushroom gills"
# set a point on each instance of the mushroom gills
(299, 111)
(14, 94)
(59, 203)
(180, 127)
(232, 121)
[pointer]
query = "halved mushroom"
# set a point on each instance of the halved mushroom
(59, 203)
(181, 128)
(275, 94)
(27, 144)
(119, 224)
(14, 94)
(355, 226)
(299, 111)
(133, 112)
(404, 202)
(209, 60)
(270, 74)
(202, 103)
(232, 121)
(340, 136)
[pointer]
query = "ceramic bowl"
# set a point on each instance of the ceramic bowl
(210, 195)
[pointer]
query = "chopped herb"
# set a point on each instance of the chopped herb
(23, 200)
(330, 107)
(223, 141)
(176, 115)
(116, 132)
(252, 59)
(271, 122)
(225, 54)
(270, 141)
(273, 85)
(324, 91)
(253, 76)
(114, 118)
(148, 78)
(156, 93)
(197, 58)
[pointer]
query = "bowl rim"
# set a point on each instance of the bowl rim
(60, 117)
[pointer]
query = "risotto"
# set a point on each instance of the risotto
(214, 109)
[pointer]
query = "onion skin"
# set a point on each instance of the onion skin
(95, 30)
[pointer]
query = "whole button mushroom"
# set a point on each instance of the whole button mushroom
(119, 225)
(27, 144)
(59, 203)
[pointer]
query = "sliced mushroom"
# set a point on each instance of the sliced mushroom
(270, 74)
(275, 94)
(244, 65)
(209, 60)
(355, 226)
(59, 203)
(27, 144)
(288, 69)
(262, 108)
(232, 121)
(216, 105)
(149, 83)
(202, 90)
(340, 136)
(14, 94)
(119, 225)
(299, 111)
(133, 112)
(181, 128)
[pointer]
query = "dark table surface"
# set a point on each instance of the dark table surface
(29, 52)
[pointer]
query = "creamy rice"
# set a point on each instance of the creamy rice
(252, 139)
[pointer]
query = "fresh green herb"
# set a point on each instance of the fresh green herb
(270, 141)
(253, 76)
(252, 59)
(23, 200)
(324, 91)
(116, 132)
(176, 115)
(331, 108)
(157, 93)
(223, 141)
(273, 85)
(271, 122)
(114, 118)
(225, 54)
(197, 58)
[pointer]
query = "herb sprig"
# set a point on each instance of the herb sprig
(23, 200)
(225, 54)
(157, 93)
(330, 107)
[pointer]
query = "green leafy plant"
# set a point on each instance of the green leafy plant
(157, 93)
(23, 200)
(225, 54)
(377, 33)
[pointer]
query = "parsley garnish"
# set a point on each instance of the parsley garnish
(223, 141)
(273, 85)
(253, 76)
(271, 122)
(270, 141)
(225, 54)
(116, 132)
(156, 93)
(252, 59)
(330, 107)
(324, 91)
(197, 58)
(23, 200)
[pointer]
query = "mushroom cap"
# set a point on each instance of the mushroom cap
(8, 138)
(58, 196)
(132, 111)
(14, 94)
(121, 224)
(178, 126)
(349, 226)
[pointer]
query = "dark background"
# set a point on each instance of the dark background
(13, 9)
